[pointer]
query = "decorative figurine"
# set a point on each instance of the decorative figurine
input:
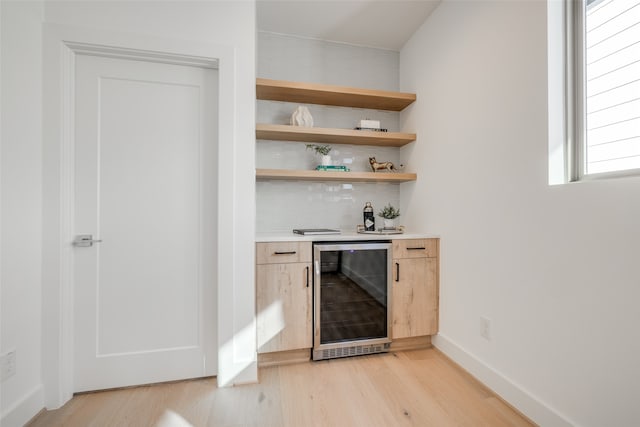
(302, 117)
(376, 166)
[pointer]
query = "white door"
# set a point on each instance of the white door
(145, 296)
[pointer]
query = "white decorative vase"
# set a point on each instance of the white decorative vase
(326, 160)
(389, 223)
(302, 117)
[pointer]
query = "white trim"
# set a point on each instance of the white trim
(145, 55)
(24, 409)
(575, 89)
(61, 44)
(556, 88)
(531, 406)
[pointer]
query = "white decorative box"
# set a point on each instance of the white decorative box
(370, 124)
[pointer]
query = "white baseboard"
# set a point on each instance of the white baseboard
(511, 392)
(25, 409)
(238, 373)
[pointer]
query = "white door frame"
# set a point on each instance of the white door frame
(61, 44)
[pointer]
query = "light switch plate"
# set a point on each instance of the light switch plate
(8, 364)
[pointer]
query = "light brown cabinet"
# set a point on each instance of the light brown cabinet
(283, 296)
(414, 298)
(284, 286)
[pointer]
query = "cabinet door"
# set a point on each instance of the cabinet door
(283, 306)
(414, 297)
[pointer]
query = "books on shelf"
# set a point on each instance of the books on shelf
(371, 129)
(332, 168)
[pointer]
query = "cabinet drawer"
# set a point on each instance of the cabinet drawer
(283, 252)
(415, 248)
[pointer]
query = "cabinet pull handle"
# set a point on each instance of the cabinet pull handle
(284, 253)
(307, 268)
(397, 272)
(416, 249)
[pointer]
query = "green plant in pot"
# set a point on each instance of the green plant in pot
(322, 150)
(389, 214)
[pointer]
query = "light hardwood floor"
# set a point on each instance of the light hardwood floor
(410, 388)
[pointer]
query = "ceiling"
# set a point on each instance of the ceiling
(385, 24)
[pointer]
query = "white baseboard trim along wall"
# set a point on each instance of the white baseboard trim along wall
(24, 409)
(529, 405)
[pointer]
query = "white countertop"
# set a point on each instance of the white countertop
(283, 236)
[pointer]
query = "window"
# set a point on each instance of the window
(603, 90)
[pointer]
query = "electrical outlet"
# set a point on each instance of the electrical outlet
(485, 328)
(8, 364)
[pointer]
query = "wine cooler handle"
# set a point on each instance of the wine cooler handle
(397, 272)
(307, 268)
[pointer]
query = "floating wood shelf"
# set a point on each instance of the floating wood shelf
(333, 136)
(321, 176)
(312, 93)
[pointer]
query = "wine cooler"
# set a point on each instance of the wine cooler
(352, 298)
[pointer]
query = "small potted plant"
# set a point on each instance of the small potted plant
(322, 150)
(389, 214)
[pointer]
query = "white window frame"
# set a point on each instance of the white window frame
(575, 89)
(574, 97)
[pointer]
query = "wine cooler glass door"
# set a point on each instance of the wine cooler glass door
(351, 294)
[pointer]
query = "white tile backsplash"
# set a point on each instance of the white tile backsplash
(284, 205)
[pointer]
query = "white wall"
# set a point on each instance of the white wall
(284, 205)
(225, 23)
(21, 247)
(554, 268)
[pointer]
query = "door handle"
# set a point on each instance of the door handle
(397, 271)
(85, 240)
(307, 268)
